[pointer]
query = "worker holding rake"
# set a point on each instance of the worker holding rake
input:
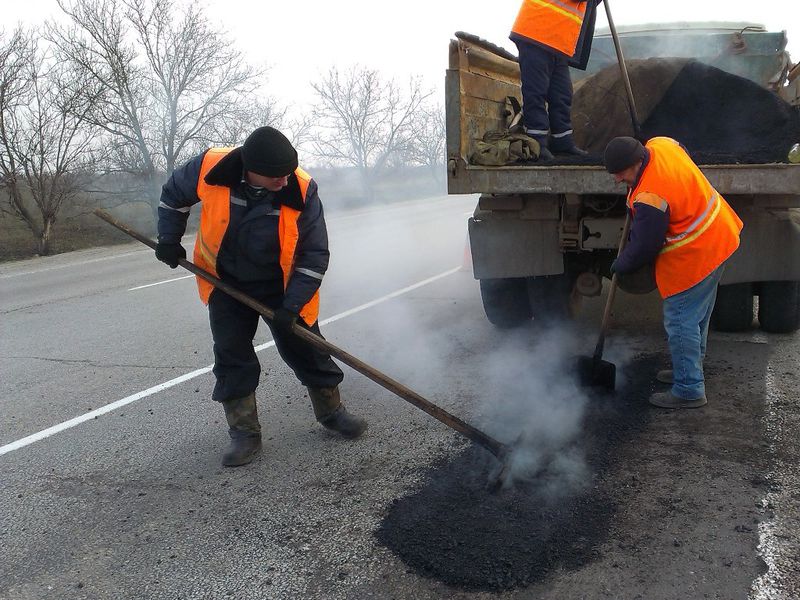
(686, 227)
(262, 231)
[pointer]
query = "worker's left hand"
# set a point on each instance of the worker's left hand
(284, 319)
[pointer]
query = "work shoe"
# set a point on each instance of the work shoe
(244, 429)
(670, 400)
(331, 413)
(664, 376)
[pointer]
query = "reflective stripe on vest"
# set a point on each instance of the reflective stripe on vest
(692, 231)
(703, 229)
(214, 219)
(554, 23)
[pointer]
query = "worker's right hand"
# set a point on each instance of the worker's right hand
(170, 253)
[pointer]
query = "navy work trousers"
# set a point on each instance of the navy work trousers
(546, 92)
(236, 367)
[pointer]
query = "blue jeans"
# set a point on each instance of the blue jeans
(686, 318)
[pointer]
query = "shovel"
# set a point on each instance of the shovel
(593, 370)
(502, 452)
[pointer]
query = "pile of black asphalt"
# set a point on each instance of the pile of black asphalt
(720, 118)
(455, 531)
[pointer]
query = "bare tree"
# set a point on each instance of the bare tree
(428, 146)
(44, 139)
(244, 116)
(172, 83)
(366, 121)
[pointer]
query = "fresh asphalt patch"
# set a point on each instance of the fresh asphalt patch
(456, 532)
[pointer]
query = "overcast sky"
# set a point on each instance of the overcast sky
(302, 39)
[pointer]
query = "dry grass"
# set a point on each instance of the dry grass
(76, 233)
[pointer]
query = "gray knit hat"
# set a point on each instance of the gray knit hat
(268, 152)
(621, 153)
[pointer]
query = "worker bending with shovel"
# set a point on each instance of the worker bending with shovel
(262, 230)
(680, 222)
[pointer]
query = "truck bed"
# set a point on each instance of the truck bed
(763, 179)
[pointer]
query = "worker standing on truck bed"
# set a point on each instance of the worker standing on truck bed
(683, 224)
(262, 230)
(551, 36)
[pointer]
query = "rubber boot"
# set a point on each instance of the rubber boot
(331, 413)
(244, 429)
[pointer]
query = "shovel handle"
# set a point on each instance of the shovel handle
(497, 448)
(612, 292)
(637, 129)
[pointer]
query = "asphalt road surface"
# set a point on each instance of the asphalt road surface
(111, 485)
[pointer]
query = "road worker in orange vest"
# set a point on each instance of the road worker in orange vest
(686, 227)
(262, 230)
(552, 36)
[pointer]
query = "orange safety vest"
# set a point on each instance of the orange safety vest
(214, 217)
(554, 23)
(703, 229)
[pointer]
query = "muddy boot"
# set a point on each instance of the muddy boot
(245, 431)
(332, 414)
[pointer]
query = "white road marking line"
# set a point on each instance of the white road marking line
(405, 290)
(141, 287)
(775, 532)
(188, 241)
(45, 433)
(67, 265)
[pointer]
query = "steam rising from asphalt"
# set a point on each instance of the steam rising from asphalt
(517, 384)
(535, 401)
(532, 400)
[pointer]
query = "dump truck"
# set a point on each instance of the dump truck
(543, 236)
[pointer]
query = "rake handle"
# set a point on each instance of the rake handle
(497, 448)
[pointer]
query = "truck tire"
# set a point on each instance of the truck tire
(551, 298)
(505, 302)
(779, 306)
(733, 310)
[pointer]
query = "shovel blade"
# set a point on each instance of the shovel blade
(594, 372)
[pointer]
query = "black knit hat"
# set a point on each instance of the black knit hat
(621, 153)
(267, 152)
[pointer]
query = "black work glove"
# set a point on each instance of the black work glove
(284, 319)
(170, 253)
